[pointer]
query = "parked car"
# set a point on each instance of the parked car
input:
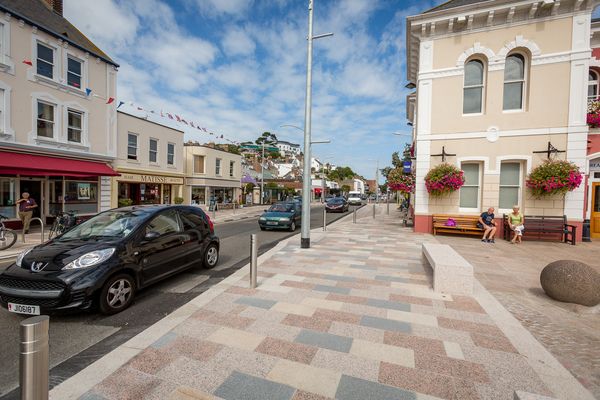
(284, 215)
(354, 198)
(105, 260)
(337, 204)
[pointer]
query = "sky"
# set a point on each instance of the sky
(238, 68)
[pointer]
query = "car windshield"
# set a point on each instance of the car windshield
(281, 207)
(112, 224)
(337, 200)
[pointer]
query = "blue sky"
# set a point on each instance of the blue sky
(238, 67)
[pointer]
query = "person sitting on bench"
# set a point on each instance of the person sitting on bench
(487, 223)
(516, 222)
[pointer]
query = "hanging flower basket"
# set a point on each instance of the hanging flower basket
(400, 182)
(554, 177)
(444, 179)
(593, 114)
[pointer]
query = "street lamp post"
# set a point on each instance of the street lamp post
(306, 179)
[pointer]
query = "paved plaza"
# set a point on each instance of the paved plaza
(354, 317)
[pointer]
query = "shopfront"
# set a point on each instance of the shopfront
(56, 184)
(136, 189)
(594, 196)
(202, 191)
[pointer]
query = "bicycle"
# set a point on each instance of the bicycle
(63, 221)
(8, 237)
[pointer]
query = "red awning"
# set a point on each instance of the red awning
(36, 165)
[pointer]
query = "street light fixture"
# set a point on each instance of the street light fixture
(302, 130)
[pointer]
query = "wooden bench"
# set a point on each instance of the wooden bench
(451, 272)
(465, 224)
(543, 226)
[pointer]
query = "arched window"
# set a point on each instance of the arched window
(514, 82)
(592, 85)
(473, 87)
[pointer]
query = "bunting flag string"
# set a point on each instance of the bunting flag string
(177, 118)
(28, 62)
(110, 100)
(88, 91)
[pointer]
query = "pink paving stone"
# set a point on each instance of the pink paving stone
(194, 348)
(467, 326)
(414, 342)
(500, 342)
(353, 285)
(465, 390)
(298, 285)
(450, 366)
(373, 282)
(410, 299)
(302, 395)
(241, 290)
(127, 384)
(264, 274)
(291, 351)
(464, 303)
(151, 360)
(339, 316)
(421, 381)
(347, 299)
(230, 320)
(308, 274)
(316, 324)
(202, 314)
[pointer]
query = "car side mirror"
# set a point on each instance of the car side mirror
(151, 235)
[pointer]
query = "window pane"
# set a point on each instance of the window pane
(471, 172)
(164, 223)
(198, 164)
(513, 96)
(472, 100)
(74, 119)
(468, 197)
(509, 174)
(474, 73)
(509, 196)
(44, 69)
(153, 145)
(74, 135)
(45, 53)
(515, 68)
(132, 140)
(45, 129)
(45, 111)
(592, 90)
(73, 80)
(170, 159)
(74, 66)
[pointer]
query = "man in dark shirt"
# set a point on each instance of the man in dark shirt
(26, 205)
(487, 223)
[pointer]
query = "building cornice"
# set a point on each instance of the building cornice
(55, 152)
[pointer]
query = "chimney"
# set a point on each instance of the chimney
(55, 5)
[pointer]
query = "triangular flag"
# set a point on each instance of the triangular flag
(198, 128)
(140, 108)
(178, 118)
(184, 121)
(88, 91)
(152, 111)
(170, 116)
(161, 113)
(192, 124)
(221, 136)
(204, 129)
(28, 62)
(110, 100)
(120, 104)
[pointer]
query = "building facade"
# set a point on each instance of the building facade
(288, 148)
(592, 209)
(501, 86)
(211, 174)
(149, 161)
(57, 119)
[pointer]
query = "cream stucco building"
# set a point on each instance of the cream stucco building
(149, 161)
(57, 112)
(496, 83)
(211, 174)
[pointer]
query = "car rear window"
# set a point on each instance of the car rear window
(192, 220)
(281, 207)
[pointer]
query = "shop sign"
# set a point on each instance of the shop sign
(151, 179)
(595, 165)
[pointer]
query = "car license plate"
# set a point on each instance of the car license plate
(23, 309)
(272, 222)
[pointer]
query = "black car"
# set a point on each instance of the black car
(336, 204)
(105, 260)
(284, 215)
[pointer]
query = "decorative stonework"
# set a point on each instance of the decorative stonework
(476, 49)
(519, 42)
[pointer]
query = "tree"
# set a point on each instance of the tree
(267, 138)
(341, 173)
(346, 188)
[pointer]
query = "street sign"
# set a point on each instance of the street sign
(406, 167)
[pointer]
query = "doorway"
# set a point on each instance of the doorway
(595, 217)
(34, 188)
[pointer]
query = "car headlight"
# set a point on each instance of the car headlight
(284, 219)
(262, 219)
(20, 257)
(90, 259)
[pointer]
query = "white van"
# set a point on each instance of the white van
(354, 198)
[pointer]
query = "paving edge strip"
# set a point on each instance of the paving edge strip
(78, 384)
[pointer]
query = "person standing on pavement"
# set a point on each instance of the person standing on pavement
(25, 206)
(487, 223)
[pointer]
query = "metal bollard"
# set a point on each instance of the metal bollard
(324, 219)
(233, 208)
(354, 215)
(388, 207)
(33, 374)
(214, 214)
(373, 211)
(253, 260)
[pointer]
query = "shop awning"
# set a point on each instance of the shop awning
(38, 165)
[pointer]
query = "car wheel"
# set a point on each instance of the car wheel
(117, 294)
(262, 228)
(211, 256)
(292, 226)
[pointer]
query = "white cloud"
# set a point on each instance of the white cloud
(237, 42)
(220, 7)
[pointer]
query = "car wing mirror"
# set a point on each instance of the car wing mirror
(151, 235)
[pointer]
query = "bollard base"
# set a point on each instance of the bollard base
(305, 243)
